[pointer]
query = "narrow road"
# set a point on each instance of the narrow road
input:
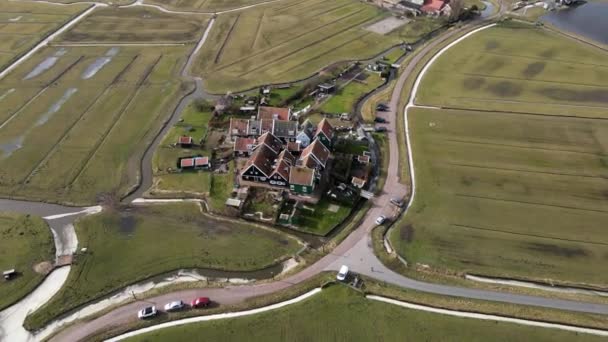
(355, 251)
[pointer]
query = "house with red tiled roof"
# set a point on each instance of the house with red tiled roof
(274, 113)
(259, 166)
(238, 128)
(185, 141)
(294, 147)
(243, 146)
(318, 151)
(272, 142)
(198, 162)
(302, 180)
(280, 174)
(325, 133)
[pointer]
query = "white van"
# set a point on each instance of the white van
(342, 273)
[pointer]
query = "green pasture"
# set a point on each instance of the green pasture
(346, 98)
(321, 218)
(204, 5)
(25, 241)
(141, 242)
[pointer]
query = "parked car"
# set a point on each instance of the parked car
(381, 108)
(174, 306)
(342, 273)
(398, 202)
(147, 312)
(380, 220)
(380, 129)
(200, 302)
(379, 119)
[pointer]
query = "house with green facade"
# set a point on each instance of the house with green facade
(302, 180)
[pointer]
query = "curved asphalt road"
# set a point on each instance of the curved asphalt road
(355, 251)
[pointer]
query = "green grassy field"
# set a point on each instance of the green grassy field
(326, 216)
(194, 124)
(68, 135)
(505, 193)
(25, 241)
(137, 24)
(341, 314)
(153, 240)
(346, 98)
(492, 71)
(24, 24)
(286, 41)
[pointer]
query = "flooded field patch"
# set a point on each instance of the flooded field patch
(46, 64)
(99, 63)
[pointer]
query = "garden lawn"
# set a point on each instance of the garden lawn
(142, 242)
(341, 314)
(322, 220)
(25, 241)
(195, 124)
(346, 98)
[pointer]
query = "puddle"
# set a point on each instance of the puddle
(12, 146)
(7, 93)
(46, 64)
(99, 63)
(56, 106)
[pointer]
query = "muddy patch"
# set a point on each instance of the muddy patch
(407, 233)
(46, 64)
(505, 89)
(492, 64)
(533, 69)
(549, 53)
(568, 252)
(492, 45)
(99, 63)
(56, 106)
(44, 267)
(10, 147)
(387, 25)
(473, 83)
(6, 93)
(575, 95)
(127, 224)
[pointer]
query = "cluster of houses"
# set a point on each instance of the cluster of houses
(281, 153)
(431, 7)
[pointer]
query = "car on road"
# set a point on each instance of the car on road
(380, 220)
(174, 306)
(397, 202)
(379, 119)
(147, 312)
(342, 273)
(200, 302)
(382, 107)
(380, 129)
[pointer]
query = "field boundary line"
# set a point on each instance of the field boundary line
(545, 286)
(315, 42)
(500, 112)
(116, 44)
(524, 234)
(531, 80)
(475, 315)
(296, 3)
(490, 99)
(525, 171)
(257, 31)
(598, 154)
(46, 40)
(40, 92)
(115, 122)
(220, 51)
(287, 41)
(64, 136)
(526, 202)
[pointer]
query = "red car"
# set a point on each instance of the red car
(200, 302)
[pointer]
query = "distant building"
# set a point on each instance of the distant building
(325, 133)
(302, 180)
(274, 113)
(193, 163)
(243, 147)
(185, 141)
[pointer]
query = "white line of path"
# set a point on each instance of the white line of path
(215, 317)
(88, 210)
(536, 286)
(117, 44)
(410, 104)
(489, 317)
(45, 41)
(165, 200)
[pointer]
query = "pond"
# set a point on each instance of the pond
(588, 20)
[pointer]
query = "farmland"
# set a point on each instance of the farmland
(154, 240)
(204, 5)
(286, 41)
(341, 314)
(346, 98)
(511, 183)
(24, 24)
(74, 118)
(25, 243)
